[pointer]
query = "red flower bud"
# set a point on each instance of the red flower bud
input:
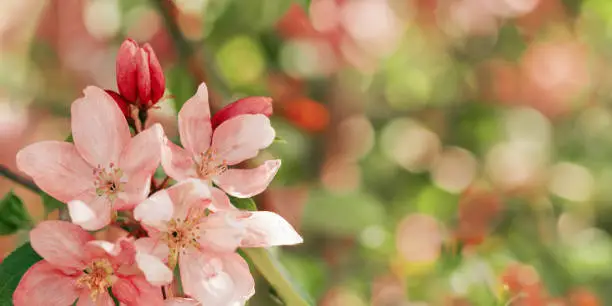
(143, 75)
(158, 81)
(249, 105)
(126, 70)
(140, 77)
(123, 105)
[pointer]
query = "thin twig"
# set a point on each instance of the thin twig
(6, 172)
(164, 183)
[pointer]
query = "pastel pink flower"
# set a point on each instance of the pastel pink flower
(104, 170)
(75, 266)
(186, 227)
(208, 154)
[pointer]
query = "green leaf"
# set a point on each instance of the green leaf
(12, 269)
(275, 274)
(13, 215)
(246, 204)
(51, 204)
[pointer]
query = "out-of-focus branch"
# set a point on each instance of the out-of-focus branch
(6, 172)
(187, 54)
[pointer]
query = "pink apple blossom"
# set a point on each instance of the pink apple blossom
(208, 155)
(75, 266)
(187, 227)
(104, 170)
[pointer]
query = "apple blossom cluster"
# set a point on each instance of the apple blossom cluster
(106, 176)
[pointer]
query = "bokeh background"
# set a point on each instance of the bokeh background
(449, 152)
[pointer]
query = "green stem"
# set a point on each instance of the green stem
(276, 275)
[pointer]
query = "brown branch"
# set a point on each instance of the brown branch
(6, 172)
(164, 183)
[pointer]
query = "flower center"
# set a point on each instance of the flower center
(207, 166)
(109, 181)
(97, 276)
(182, 234)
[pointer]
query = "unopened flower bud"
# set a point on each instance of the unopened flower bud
(123, 105)
(140, 77)
(249, 105)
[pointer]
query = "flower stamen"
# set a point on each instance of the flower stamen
(207, 166)
(98, 277)
(109, 181)
(182, 234)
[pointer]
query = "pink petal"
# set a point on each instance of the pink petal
(152, 246)
(122, 252)
(174, 202)
(138, 162)
(244, 283)
(57, 168)
(241, 138)
(149, 294)
(135, 291)
(266, 229)
(125, 291)
(181, 302)
(155, 211)
(194, 122)
(221, 232)
(43, 284)
(177, 162)
(245, 183)
(60, 243)
(249, 105)
(126, 66)
(204, 279)
(154, 269)
(99, 129)
(93, 215)
(103, 299)
(189, 196)
(153, 232)
(98, 248)
(220, 200)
